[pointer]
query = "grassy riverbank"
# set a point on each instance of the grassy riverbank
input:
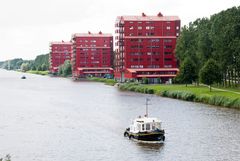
(38, 72)
(111, 82)
(189, 93)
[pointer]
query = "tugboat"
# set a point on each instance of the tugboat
(146, 129)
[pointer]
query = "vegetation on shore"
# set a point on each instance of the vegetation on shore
(208, 50)
(7, 158)
(65, 70)
(39, 65)
(38, 72)
(189, 93)
(111, 82)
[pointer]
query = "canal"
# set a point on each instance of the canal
(54, 119)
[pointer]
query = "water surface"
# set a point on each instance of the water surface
(53, 119)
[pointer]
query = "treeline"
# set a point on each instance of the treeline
(209, 50)
(40, 63)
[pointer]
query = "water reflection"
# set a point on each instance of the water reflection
(150, 146)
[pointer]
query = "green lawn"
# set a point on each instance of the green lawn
(189, 93)
(111, 82)
(38, 72)
(198, 90)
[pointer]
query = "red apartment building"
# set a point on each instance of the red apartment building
(59, 52)
(92, 54)
(145, 47)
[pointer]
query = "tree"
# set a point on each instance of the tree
(210, 74)
(188, 72)
(44, 67)
(25, 67)
(60, 70)
(33, 68)
(67, 68)
(42, 59)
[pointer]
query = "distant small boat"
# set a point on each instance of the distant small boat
(146, 129)
(23, 77)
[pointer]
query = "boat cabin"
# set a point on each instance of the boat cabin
(145, 124)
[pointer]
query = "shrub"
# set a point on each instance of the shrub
(150, 91)
(236, 103)
(164, 93)
(145, 81)
(217, 100)
(202, 98)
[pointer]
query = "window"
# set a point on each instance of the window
(177, 27)
(168, 59)
(139, 27)
(168, 27)
(150, 34)
(167, 66)
(154, 40)
(143, 127)
(167, 40)
(149, 27)
(137, 46)
(168, 47)
(147, 126)
(167, 53)
(149, 53)
(131, 28)
(153, 126)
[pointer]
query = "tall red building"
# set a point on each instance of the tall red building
(59, 52)
(92, 54)
(145, 47)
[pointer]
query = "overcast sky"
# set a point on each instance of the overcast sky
(27, 26)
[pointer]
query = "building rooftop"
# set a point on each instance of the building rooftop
(145, 17)
(89, 34)
(60, 42)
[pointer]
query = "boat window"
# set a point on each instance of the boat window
(148, 126)
(143, 127)
(138, 126)
(153, 126)
(158, 126)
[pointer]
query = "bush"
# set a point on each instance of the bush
(150, 91)
(236, 103)
(111, 82)
(202, 98)
(145, 81)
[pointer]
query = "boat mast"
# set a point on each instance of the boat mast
(147, 100)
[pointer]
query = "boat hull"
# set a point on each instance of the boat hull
(155, 136)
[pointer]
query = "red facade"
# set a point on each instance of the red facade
(59, 52)
(146, 42)
(92, 54)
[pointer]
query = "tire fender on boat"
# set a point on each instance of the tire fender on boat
(130, 136)
(163, 138)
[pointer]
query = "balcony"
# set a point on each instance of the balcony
(121, 31)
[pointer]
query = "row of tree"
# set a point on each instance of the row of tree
(40, 63)
(213, 45)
